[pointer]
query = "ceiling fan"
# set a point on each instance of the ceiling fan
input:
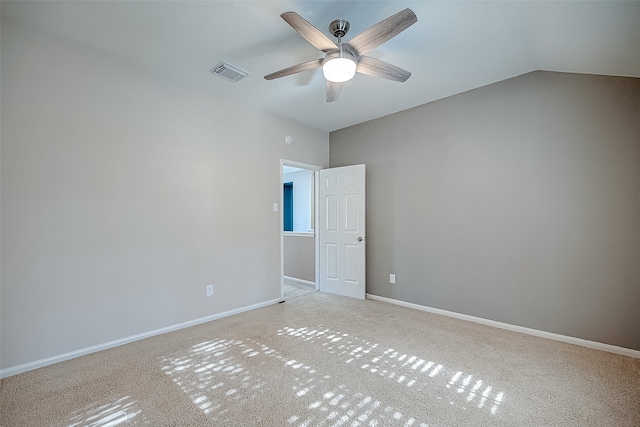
(342, 60)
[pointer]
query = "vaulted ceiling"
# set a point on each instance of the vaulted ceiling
(455, 46)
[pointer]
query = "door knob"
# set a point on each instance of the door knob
(360, 239)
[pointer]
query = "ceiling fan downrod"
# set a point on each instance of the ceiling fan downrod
(339, 28)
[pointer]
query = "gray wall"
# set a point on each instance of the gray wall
(517, 202)
(117, 207)
(299, 257)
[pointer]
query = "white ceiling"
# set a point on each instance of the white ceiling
(454, 46)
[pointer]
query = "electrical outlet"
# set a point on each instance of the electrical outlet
(209, 290)
(392, 278)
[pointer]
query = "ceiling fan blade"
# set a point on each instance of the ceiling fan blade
(377, 68)
(316, 63)
(309, 32)
(384, 30)
(333, 91)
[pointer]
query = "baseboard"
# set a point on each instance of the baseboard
(294, 279)
(4, 373)
(535, 332)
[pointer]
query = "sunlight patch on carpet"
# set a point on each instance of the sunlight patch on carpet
(109, 413)
(212, 376)
(216, 377)
(409, 370)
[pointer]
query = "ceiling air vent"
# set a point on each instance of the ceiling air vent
(229, 72)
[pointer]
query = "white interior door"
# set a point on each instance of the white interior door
(341, 215)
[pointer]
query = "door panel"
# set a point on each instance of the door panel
(351, 263)
(332, 261)
(352, 201)
(342, 231)
(332, 213)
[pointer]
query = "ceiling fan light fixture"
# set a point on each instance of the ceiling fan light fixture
(339, 66)
(341, 60)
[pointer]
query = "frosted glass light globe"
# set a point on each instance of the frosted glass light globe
(339, 70)
(339, 66)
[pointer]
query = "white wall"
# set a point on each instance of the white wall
(302, 199)
(117, 209)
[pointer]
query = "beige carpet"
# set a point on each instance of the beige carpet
(322, 360)
(294, 289)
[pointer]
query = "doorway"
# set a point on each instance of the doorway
(298, 225)
(329, 229)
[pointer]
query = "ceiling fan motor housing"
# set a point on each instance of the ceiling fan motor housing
(342, 53)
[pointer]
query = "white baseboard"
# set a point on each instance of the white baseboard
(535, 332)
(294, 279)
(14, 370)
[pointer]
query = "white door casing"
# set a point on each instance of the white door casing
(342, 247)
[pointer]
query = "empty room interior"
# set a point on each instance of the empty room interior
(320, 213)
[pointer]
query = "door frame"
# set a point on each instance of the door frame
(315, 169)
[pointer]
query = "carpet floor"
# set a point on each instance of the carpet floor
(324, 360)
